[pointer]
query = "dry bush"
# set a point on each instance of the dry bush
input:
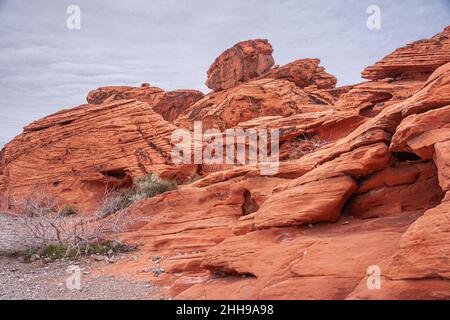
(143, 188)
(147, 187)
(307, 143)
(44, 228)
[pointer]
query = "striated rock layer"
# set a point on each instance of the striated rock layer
(168, 104)
(362, 187)
(417, 60)
(244, 61)
(74, 154)
(304, 73)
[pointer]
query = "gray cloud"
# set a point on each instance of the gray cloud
(45, 67)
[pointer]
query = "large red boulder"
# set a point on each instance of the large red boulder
(244, 61)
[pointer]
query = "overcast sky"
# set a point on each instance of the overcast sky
(45, 67)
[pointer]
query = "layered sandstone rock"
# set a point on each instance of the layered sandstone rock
(101, 94)
(244, 61)
(302, 134)
(419, 132)
(75, 153)
(169, 104)
(396, 190)
(442, 160)
(299, 205)
(414, 61)
(304, 73)
(370, 98)
(263, 97)
(418, 268)
(175, 103)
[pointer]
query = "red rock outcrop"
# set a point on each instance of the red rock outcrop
(246, 60)
(101, 94)
(370, 98)
(258, 98)
(246, 88)
(419, 132)
(169, 104)
(442, 160)
(363, 182)
(299, 205)
(414, 61)
(304, 73)
(396, 190)
(175, 103)
(74, 153)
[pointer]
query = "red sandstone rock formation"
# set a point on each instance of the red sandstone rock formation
(304, 73)
(374, 190)
(244, 61)
(253, 99)
(75, 153)
(169, 104)
(417, 60)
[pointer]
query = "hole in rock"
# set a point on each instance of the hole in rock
(249, 205)
(65, 123)
(306, 136)
(116, 173)
(56, 183)
(231, 273)
(316, 100)
(367, 112)
(115, 178)
(378, 100)
(406, 156)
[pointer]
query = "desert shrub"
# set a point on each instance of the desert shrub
(113, 201)
(147, 187)
(307, 143)
(68, 210)
(109, 246)
(38, 203)
(60, 250)
(56, 251)
(143, 188)
(46, 232)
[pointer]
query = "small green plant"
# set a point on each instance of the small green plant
(57, 251)
(143, 188)
(68, 210)
(109, 246)
(149, 186)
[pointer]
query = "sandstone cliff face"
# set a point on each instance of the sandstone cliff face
(363, 181)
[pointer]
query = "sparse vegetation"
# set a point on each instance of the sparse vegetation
(68, 210)
(307, 143)
(143, 188)
(53, 233)
(55, 251)
(147, 187)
